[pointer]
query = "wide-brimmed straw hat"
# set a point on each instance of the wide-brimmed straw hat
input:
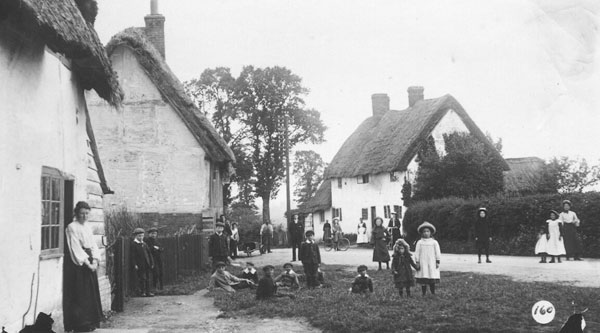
(482, 209)
(567, 202)
(554, 212)
(426, 225)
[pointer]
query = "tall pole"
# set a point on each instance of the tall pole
(287, 175)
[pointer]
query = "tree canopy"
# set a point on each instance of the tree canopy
(308, 169)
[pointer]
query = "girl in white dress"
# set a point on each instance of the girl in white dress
(540, 246)
(427, 258)
(555, 246)
(361, 233)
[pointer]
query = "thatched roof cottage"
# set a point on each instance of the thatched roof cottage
(164, 158)
(49, 54)
(367, 174)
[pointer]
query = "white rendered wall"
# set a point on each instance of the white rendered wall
(450, 123)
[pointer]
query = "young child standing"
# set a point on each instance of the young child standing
(288, 278)
(402, 262)
(311, 259)
(427, 255)
(555, 246)
(540, 246)
(362, 283)
(482, 234)
(142, 262)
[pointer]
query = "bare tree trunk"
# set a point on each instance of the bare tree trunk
(266, 214)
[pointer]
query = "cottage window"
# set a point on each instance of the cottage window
(337, 212)
(398, 210)
(365, 214)
(322, 216)
(339, 181)
(53, 211)
(393, 177)
(364, 179)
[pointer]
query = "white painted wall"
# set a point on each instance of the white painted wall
(450, 123)
(151, 159)
(42, 123)
(318, 222)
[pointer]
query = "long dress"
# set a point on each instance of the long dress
(482, 232)
(540, 246)
(554, 246)
(570, 237)
(427, 253)
(82, 305)
(379, 237)
(327, 231)
(361, 235)
(403, 273)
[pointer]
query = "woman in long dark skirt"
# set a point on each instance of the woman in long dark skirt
(570, 224)
(82, 305)
(379, 238)
(326, 230)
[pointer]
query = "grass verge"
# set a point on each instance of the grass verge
(465, 302)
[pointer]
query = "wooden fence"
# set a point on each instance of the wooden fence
(182, 255)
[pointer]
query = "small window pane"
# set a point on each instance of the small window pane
(45, 212)
(46, 188)
(45, 238)
(55, 215)
(54, 237)
(55, 189)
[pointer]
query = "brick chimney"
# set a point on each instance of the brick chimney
(155, 28)
(415, 94)
(381, 104)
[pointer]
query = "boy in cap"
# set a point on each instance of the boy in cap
(266, 286)
(288, 278)
(218, 248)
(156, 250)
(142, 262)
(311, 259)
(222, 279)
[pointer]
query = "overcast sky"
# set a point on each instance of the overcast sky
(525, 71)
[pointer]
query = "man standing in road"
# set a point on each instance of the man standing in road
(297, 235)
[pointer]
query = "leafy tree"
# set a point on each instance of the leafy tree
(249, 112)
(571, 175)
(248, 220)
(308, 169)
(468, 169)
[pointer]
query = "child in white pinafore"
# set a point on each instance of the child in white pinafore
(427, 258)
(555, 246)
(540, 246)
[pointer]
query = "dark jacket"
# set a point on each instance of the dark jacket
(482, 232)
(141, 256)
(362, 284)
(217, 246)
(403, 274)
(155, 249)
(297, 231)
(309, 253)
(250, 276)
(266, 288)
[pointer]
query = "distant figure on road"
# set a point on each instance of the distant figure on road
(266, 232)
(379, 238)
(394, 227)
(570, 225)
(326, 230)
(361, 233)
(337, 232)
(234, 240)
(482, 234)
(297, 234)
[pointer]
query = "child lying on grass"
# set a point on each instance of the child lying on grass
(223, 280)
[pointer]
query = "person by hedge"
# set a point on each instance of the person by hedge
(379, 239)
(427, 258)
(570, 225)
(483, 235)
(542, 243)
(554, 236)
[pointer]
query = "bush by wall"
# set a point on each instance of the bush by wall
(514, 221)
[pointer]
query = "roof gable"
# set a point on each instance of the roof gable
(388, 143)
(320, 201)
(172, 92)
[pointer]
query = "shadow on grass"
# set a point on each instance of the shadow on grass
(465, 302)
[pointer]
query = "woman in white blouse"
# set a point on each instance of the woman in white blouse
(82, 305)
(570, 224)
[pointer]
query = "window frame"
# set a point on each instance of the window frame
(58, 251)
(362, 179)
(339, 182)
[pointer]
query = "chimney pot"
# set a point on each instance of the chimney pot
(415, 94)
(153, 7)
(381, 104)
(155, 28)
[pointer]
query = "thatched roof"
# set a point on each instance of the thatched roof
(320, 201)
(172, 92)
(389, 142)
(524, 175)
(62, 27)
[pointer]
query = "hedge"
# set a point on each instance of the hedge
(515, 221)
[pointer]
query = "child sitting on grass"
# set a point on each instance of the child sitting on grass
(250, 273)
(267, 288)
(288, 278)
(362, 283)
(222, 279)
(428, 255)
(401, 265)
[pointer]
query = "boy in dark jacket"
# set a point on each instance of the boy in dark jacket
(142, 262)
(156, 250)
(311, 259)
(218, 249)
(362, 283)
(483, 235)
(266, 286)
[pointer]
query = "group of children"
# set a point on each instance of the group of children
(146, 259)
(558, 236)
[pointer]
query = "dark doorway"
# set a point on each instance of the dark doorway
(373, 215)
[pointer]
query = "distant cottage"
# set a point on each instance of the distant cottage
(49, 54)
(164, 158)
(366, 176)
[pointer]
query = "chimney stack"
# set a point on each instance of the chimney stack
(415, 94)
(381, 104)
(155, 28)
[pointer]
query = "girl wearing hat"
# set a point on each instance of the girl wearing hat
(482, 234)
(554, 246)
(379, 238)
(427, 258)
(570, 224)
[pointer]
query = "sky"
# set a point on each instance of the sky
(526, 71)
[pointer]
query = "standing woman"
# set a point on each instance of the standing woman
(82, 305)
(361, 233)
(337, 232)
(235, 238)
(570, 224)
(379, 237)
(483, 236)
(326, 230)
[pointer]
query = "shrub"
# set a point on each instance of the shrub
(514, 221)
